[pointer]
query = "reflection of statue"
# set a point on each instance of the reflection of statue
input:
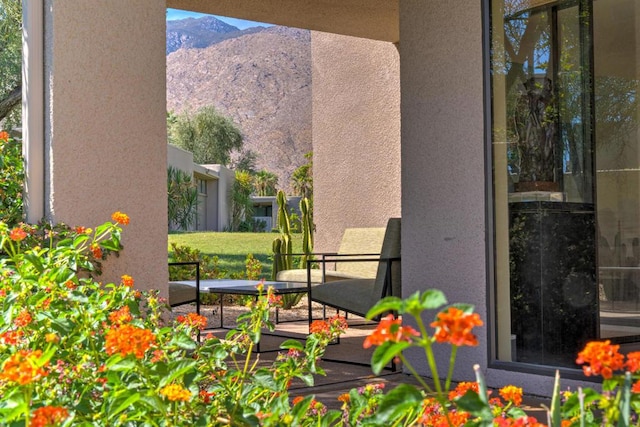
(535, 125)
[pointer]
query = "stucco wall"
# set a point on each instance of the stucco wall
(180, 159)
(105, 125)
(356, 135)
(443, 170)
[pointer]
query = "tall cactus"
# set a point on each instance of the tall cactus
(307, 232)
(282, 247)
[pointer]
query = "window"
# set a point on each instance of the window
(566, 176)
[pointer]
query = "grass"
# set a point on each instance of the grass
(233, 248)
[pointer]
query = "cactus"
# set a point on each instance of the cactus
(282, 248)
(307, 232)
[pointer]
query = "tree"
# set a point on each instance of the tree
(210, 136)
(182, 196)
(241, 203)
(302, 178)
(265, 183)
(10, 60)
(246, 161)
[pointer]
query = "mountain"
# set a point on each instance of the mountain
(259, 77)
(201, 32)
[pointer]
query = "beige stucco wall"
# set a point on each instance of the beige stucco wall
(356, 135)
(180, 159)
(105, 125)
(226, 177)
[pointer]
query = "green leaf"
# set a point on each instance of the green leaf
(473, 404)
(177, 369)
(133, 398)
(330, 418)
(432, 299)
(385, 305)
(385, 354)
(396, 403)
(306, 378)
(292, 344)
(184, 341)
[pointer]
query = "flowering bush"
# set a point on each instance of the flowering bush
(76, 352)
(11, 178)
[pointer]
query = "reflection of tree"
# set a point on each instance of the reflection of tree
(535, 126)
(616, 111)
(533, 39)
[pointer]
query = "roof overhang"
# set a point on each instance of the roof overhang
(372, 19)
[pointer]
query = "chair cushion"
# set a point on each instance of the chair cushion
(352, 295)
(300, 275)
(180, 293)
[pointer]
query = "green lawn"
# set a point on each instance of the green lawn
(232, 248)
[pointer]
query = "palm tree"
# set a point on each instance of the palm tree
(302, 178)
(265, 183)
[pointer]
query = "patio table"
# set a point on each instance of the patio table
(242, 287)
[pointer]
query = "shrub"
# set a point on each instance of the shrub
(11, 179)
(76, 352)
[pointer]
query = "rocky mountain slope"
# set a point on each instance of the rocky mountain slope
(260, 77)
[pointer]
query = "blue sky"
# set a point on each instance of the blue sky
(173, 14)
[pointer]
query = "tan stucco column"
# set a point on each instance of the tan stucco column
(356, 135)
(443, 160)
(105, 125)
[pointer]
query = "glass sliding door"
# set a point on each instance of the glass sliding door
(547, 295)
(566, 176)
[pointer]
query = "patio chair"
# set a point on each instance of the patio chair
(357, 296)
(356, 242)
(181, 293)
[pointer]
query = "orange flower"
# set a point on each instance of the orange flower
(48, 416)
(4, 136)
(96, 251)
(454, 326)
(635, 388)
(120, 218)
(176, 392)
(319, 327)
(17, 234)
(22, 367)
(462, 388)
(80, 230)
(10, 337)
(121, 316)
(512, 394)
(390, 329)
(274, 300)
(128, 339)
(602, 357)
(206, 396)
(633, 361)
(22, 319)
(519, 422)
(339, 323)
(297, 400)
(51, 337)
(344, 398)
(127, 281)
(193, 320)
